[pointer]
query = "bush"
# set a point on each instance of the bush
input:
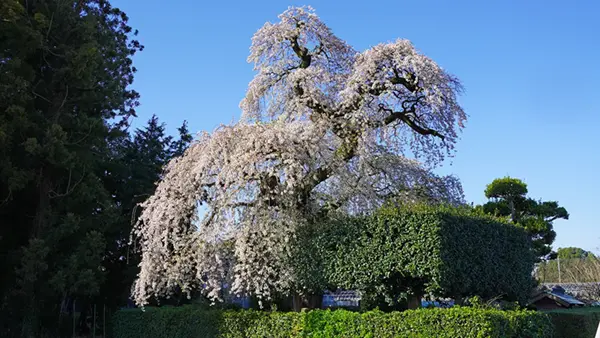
(167, 322)
(438, 250)
(575, 323)
(189, 322)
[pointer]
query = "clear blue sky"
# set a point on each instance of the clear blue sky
(530, 68)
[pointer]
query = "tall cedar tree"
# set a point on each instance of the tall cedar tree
(65, 72)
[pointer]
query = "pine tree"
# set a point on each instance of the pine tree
(508, 198)
(180, 145)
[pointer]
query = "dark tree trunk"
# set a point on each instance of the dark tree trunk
(513, 211)
(313, 301)
(296, 302)
(414, 301)
(41, 214)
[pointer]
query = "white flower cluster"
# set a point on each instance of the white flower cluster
(323, 125)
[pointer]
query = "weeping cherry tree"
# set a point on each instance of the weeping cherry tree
(323, 127)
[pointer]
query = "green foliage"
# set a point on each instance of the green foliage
(572, 252)
(509, 200)
(506, 188)
(70, 175)
(185, 321)
(65, 72)
(455, 322)
(442, 251)
(307, 259)
(575, 323)
(135, 166)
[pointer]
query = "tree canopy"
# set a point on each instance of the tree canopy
(573, 253)
(508, 198)
(323, 127)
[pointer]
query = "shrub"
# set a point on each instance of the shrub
(190, 322)
(167, 322)
(439, 250)
(575, 323)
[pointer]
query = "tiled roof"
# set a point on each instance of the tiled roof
(567, 298)
(569, 287)
(341, 298)
(582, 290)
(344, 295)
(558, 294)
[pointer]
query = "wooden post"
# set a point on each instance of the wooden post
(73, 314)
(414, 301)
(297, 302)
(94, 323)
(544, 265)
(558, 260)
(458, 300)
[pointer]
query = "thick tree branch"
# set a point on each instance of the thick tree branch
(301, 51)
(69, 189)
(412, 87)
(553, 218)
(404, 117)
(242, 204)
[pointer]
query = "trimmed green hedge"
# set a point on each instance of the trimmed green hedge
(575, 323)
(190, 321)
(184, 321)
(443, 251)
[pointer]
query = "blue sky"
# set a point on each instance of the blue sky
(530, 69)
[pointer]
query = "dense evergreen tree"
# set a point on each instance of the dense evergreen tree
(133, 174)
(65, 71)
